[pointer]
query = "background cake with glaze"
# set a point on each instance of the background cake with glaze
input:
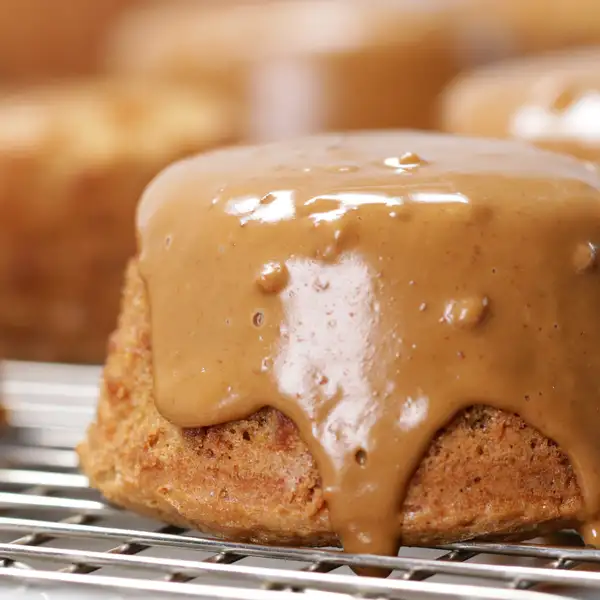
(517, 27)
(42, 41)
(301, 67)
(552, 100)
(74, 158)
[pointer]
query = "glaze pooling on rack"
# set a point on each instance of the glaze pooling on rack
(370, 287)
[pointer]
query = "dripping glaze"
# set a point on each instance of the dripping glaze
(370, 287)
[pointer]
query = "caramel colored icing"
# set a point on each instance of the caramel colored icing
(552, 101)
(370, 287)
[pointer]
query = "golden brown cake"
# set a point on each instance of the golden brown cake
(551, 100)
(73, 161)
(369, 339)
(42, 40)
(302, 66)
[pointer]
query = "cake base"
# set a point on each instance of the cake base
(487, 474)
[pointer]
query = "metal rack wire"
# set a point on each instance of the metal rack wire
(56, 533)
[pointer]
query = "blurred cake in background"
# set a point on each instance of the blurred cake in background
(301, 66)
(46, 39)
(515, 27)
(73, 161)
(551, 100)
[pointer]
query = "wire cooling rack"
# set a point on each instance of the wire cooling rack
(59, 539)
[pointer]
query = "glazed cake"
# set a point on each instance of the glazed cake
(369, 339)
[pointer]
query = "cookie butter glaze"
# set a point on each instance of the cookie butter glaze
(370, 287)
